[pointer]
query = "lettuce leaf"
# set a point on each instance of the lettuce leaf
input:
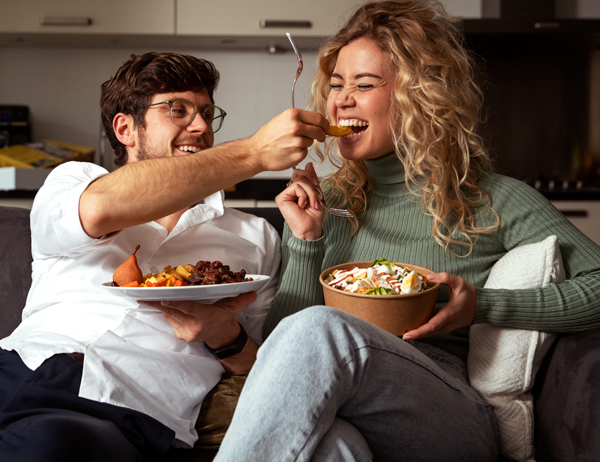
(380, 291)
(383, 261)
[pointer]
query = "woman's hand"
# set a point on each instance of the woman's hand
(300, 206)
(460, 310)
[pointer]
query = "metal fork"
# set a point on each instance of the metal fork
(300, 65)
(335, 212)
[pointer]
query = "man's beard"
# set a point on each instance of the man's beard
(143, 153)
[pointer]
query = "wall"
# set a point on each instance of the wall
(61, 86)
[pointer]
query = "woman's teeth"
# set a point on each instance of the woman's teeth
(189, 148)
(353, 123)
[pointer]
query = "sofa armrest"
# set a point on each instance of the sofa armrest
(15, 261)
(566, 396)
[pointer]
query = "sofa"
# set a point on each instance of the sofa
(567, 407)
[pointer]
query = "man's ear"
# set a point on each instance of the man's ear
(124, 128)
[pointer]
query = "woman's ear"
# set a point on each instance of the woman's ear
(124, 128)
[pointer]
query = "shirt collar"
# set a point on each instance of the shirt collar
(386, 170)
(211, 207)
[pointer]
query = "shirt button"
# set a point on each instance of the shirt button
(133, 314)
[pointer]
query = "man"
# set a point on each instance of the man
(140, 371)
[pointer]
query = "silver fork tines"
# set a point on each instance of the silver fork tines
(335, 212)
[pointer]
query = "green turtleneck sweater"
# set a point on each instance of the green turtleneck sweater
(393, 227)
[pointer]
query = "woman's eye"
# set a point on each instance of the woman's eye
(335, 86)
(364, 87)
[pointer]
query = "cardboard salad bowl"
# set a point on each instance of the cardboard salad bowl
(396, 314)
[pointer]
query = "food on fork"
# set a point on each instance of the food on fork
(383, 277)
(202, 273)
(334, 130)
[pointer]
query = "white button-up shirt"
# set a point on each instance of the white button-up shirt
(132, 356)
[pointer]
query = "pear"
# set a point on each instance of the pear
(129, 271)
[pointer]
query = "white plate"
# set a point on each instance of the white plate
(209, 292)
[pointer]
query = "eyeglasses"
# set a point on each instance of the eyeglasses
(182, 113)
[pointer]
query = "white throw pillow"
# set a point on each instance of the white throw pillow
(502, 362)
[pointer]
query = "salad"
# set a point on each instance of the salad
(383, 277)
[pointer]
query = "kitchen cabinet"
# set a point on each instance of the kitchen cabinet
(233, 24)
(585, 215)
(306, 18)
(88, 16)
(268, 18)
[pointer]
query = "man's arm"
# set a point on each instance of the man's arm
(151, 189)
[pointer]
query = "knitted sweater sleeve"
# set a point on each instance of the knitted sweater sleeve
(299, 285)
(571, 306)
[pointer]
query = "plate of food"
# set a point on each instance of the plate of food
(206, 280)
(200, 292)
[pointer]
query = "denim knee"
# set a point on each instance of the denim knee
(314, 317)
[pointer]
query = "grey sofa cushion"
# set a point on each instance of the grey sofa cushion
(567, 404)
(15, 273)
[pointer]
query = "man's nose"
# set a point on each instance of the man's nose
(199, 124)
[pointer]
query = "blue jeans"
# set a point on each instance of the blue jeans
(329, 386)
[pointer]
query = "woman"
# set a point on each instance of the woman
(418, 179)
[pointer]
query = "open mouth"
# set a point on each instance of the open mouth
(190, 149)
(358, 126)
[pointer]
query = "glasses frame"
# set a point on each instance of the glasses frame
(196, 111)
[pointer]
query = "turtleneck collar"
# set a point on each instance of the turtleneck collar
(386, 170)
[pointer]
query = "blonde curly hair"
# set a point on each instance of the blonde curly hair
(434, 113)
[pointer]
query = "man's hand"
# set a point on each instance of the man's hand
(284, 141)
(460, 310)
(213, 324)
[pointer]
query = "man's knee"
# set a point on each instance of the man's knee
(65, 437)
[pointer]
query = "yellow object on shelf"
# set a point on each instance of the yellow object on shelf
(69, 151)
(24, 156)
(44, 154)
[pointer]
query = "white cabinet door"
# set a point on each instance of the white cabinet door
(262, 18)
(308, 18)
(585, 215)
(88, 16)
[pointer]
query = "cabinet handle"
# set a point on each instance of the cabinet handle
(268, 23)
(574, 213)
(547, 25)
(65, 21)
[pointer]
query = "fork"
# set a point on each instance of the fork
(335, 212)
(300, 65)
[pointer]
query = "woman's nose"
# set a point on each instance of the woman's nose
(345, 97)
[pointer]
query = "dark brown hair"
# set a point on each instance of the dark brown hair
(132, 87)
